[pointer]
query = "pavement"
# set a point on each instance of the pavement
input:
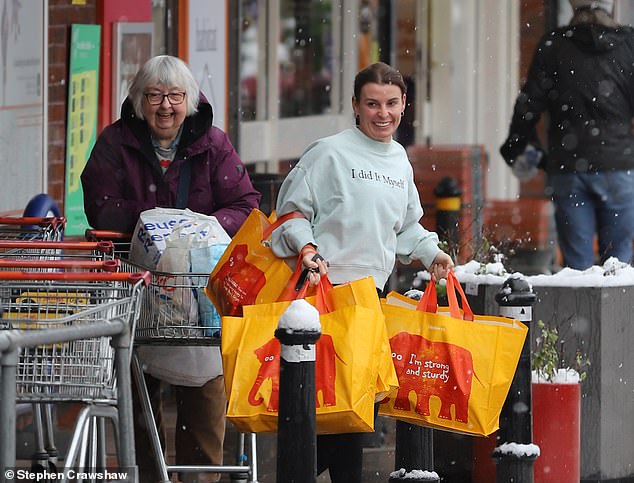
(378, 453)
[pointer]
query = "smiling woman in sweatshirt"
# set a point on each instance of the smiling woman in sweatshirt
(361, 210)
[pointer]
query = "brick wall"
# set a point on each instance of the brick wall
(467, 165)
(62, 14)
(524, 222)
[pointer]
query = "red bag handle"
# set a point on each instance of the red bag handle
(282, 219)
(429, 300)
(454, 309)
(322, 300)
(292, 292)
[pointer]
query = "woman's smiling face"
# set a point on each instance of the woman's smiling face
(379, 110)
(164, 119)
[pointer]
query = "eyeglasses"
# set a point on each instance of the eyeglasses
(156, 98)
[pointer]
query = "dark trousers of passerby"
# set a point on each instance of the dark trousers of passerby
(342, 455)
(199, 432)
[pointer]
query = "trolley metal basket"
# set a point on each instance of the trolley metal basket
(120, 240)
(170, 315)
(56, 250)
(31, 228)
(39, 255)
(172, 307)
(80, 370)
(75, 371)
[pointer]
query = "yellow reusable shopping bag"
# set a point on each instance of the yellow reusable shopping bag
(232, 328)
(346, 369)
(454, 368)
(248, 271)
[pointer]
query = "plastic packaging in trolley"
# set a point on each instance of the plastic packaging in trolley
(182, 245)
(148, 239)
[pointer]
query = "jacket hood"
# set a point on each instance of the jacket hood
(194, 126)
(591, 37)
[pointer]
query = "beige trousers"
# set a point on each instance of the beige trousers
(199, 432)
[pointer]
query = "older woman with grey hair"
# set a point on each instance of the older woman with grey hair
(165, 126)
(164, 151)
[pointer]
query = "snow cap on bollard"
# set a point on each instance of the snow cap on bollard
(414, 476)
(298, 326)
(300, 316)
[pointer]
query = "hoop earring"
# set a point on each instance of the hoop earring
(402, 113)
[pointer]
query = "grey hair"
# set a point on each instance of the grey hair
(167, 71)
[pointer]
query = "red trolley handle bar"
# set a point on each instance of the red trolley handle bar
(133, 277)
(92, 234)
(105, 265)
(104, 246)
(33, 220)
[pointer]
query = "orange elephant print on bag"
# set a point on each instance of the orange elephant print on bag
(432, 369)
(325, 373)
(454, 368)
(248, 271)
(353, 363)
(244, 283)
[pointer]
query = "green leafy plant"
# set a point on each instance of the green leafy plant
(548, 357)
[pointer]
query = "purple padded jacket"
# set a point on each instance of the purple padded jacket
(122, 177)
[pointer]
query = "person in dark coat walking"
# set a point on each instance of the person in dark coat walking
(582, 75)
(135, 165)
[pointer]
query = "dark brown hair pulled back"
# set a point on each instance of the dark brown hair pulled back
(379, 73)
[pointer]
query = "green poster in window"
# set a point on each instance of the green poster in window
(81, 133)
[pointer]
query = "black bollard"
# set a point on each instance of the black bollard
(296, 426)
(516, 299)
(414, 451)
(448, 203)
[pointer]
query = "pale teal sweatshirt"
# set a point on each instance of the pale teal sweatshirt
(361, 208)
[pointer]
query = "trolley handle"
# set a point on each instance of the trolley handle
(105, 246)
(52, 221)
(94, 235)
(132, 278)
(105, 265)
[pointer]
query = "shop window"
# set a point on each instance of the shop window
(250, 52)
(304, 59)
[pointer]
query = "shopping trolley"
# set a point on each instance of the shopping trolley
(120, 240)
(38, 255)
(56, 250)
(89, 371)
(166, 318)
(14, 341)
(32, 228)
